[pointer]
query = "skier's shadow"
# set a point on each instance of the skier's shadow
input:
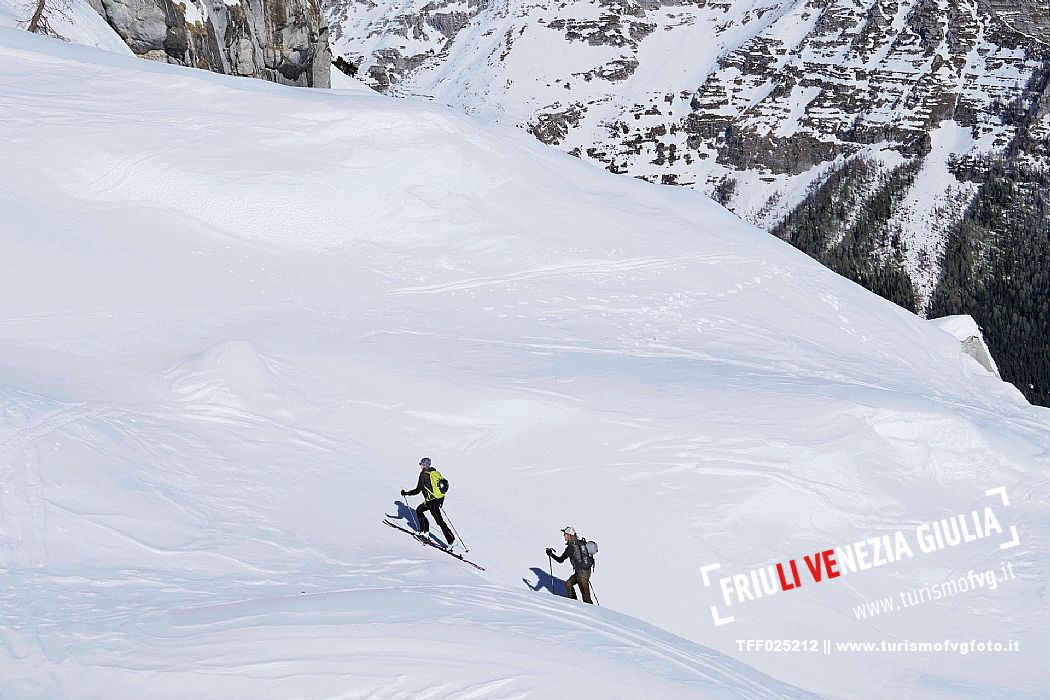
(546, 582)
(406, 513)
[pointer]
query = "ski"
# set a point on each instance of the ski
(433, 544)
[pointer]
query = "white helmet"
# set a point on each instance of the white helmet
(569, 531)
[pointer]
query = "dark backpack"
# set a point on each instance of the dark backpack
(585, 553)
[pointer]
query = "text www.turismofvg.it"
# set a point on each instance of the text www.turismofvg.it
(988, 579)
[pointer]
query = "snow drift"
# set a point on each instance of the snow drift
(233, 316)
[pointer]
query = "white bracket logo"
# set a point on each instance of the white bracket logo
(1015, 535)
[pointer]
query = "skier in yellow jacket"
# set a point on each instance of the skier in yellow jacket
(433, 487)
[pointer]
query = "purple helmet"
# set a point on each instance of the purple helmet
(425, 462)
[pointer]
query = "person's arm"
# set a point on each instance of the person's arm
(418, 489)
(563, 557)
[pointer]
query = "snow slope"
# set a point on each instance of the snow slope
(753, 102)
(72, 20)
(233, 316)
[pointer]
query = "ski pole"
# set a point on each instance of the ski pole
(455, 531)
(593, 594)
(415, 515)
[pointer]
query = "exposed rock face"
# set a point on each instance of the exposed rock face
(285, 41)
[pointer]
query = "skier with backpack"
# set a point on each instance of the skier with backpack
(433, 487)
(580, 554)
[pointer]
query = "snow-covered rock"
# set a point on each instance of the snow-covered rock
(342, 81)
(964, 329)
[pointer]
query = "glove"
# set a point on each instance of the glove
(403, 493)
(550, 552)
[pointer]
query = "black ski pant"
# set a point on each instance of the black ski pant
(434, 506)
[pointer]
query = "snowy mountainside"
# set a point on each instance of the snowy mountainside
(875, 135)
(764, 95)
(233, 316)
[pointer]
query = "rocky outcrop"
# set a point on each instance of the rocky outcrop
(285, 41)
(965, 329)
(552, 127)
